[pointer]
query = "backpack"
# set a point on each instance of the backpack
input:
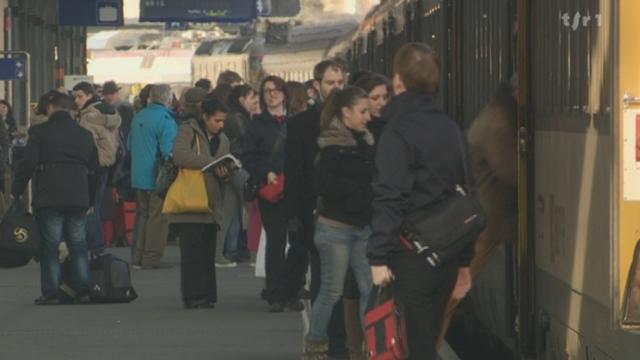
(111, 280)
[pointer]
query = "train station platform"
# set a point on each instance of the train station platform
(154, 327)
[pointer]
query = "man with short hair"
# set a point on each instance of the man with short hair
(63, 159)
(153, 132)
(204, 84)
(230, 78)
(301, 149)
(103, 121)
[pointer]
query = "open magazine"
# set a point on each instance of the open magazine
(230, 161)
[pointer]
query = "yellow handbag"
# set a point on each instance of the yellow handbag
(188, 193)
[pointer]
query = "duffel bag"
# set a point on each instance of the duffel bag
(13, 259)
(18, 231)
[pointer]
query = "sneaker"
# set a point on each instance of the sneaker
(47, 300)
(225, 263)
(158, 266)
(199, 304)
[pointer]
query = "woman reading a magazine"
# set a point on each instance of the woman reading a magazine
(199, 142)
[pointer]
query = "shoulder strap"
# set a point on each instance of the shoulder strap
(277, 145)
(467, 185)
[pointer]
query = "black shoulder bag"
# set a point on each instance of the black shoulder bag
(443, 230)
(253, 185)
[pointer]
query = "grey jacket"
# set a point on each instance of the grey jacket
(185, 155)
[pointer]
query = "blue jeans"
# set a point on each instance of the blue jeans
(54, 225)
(95, 231)
(339, 248)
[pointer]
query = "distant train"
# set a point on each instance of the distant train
(569, 286)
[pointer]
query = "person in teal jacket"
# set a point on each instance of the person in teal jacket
(152, 135)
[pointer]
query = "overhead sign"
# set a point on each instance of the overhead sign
(13, 69)
(72, 80)
(91, 13)
(198, 10)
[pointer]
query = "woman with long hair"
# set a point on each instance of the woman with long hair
(343, 176)
(379, 90)
(199, 141)
(243, 100)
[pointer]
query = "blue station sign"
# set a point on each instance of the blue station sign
(13, 69)
(198, 10)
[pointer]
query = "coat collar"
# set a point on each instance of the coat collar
(339, 135)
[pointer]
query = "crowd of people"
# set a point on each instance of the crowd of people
(329, 167)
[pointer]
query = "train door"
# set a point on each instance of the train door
(626, 260)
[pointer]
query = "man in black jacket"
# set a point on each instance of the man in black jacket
(301, 148)
(62, 158)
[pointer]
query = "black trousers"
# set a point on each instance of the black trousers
(197, 265)
(424, 292)
(301, 251)
(275, 225)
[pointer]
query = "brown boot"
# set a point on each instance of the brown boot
(315, 350)
(355, 335)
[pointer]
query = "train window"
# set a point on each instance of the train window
(632, 292)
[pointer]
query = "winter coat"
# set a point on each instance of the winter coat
(343, 175)
(63, 159)
(152, 135)
(493, 142)
(185, 155)
(103, 121)
(302, 150)
(259, 141)
(417, 141)
(376, 127)
(235, 128)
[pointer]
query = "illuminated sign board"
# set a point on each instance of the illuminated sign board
(198, 10)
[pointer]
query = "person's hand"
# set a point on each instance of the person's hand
(272, 178)
(91, 210)
(382, 275)
(463, 284)
(221, 172)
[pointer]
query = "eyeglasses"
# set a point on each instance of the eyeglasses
(272, 91)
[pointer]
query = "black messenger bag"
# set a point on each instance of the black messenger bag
(441, 231)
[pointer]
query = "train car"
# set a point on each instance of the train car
(568, 286)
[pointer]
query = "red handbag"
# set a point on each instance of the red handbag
(385, 329)
(273, 192)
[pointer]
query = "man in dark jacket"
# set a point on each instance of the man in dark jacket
(62, 158)
(301, 148)
(419, 161)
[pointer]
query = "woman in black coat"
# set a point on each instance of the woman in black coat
(343, 176)
(263, 158)
(418, 140)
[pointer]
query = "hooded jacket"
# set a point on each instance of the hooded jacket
(343, 175)
(103, 121)
(235, 128)
(419, 160)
